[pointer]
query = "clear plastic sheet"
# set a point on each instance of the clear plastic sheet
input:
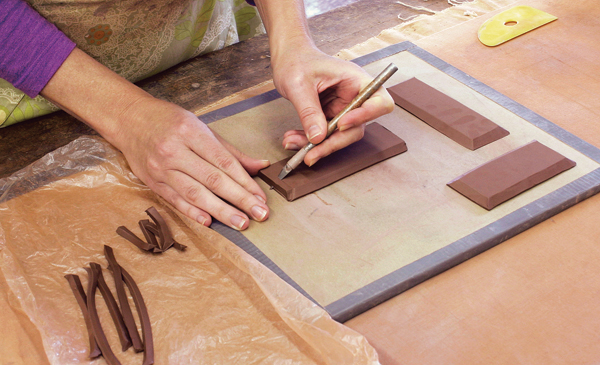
(211, 304)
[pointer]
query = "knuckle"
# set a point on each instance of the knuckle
(165, 149)
(214, 180)
(184, 128)
(224, 163)
(247, 200)
(308, 112)
(153, 164)
(192, 193)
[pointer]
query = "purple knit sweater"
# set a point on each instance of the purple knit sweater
(32, 48)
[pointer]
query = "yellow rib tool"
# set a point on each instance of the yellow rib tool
(512, 23)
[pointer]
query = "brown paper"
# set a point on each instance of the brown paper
(211, 304)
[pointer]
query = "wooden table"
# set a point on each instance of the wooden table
(531, 300)
(215, 76)
(534, 298)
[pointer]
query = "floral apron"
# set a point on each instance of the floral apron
(136, 38)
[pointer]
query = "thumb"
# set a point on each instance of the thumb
(308, 106)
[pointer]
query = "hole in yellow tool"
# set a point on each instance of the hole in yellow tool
(512, 23)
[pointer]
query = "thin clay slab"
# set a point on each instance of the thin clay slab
(511, 174)
(456, 121)
(377, 145)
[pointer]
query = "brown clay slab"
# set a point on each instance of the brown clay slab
(458, 122)
(377, 145)
(509, 175)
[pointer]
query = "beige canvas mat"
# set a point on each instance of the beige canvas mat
(361, 240)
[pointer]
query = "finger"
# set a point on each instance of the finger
(335, 142)
(212, 151)
(308, 106)
(181, 204)
(200, 196)
(207, 177)
(251, 165)
(294, 140)
(379, 104)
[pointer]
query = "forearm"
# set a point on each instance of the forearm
(286, 25)
(96, 95)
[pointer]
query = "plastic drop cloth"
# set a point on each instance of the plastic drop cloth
(211, 304)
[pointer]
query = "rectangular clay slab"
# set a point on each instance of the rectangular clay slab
(377, 145)
(458, 122)
(509, 175)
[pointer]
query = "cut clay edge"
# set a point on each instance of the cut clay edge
(290, 193)
(537, 178)
(516, 189)
(492, 135)
(278, 187)
(489, 137)
(350, 170)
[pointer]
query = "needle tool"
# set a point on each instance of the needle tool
(363, 96)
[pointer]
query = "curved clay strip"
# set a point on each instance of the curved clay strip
(79, 293)
(144, 317)
(113, 308)
(124, 303)
(166, 239)
(139, 304)
(107, 353)
(131, 237)
(150, 231)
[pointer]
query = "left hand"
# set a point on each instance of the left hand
(320, 86)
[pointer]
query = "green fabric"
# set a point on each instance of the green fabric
(136, 39)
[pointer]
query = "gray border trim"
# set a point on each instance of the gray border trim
(443, 259)
(239, 107)
(500, 99)
(467, 247)
(244, 243)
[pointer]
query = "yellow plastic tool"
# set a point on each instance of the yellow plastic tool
(512, 23)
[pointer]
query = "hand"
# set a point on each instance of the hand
(319, 87)
(167, 147)
(183, 161)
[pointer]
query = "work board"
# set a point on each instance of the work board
(370, 236)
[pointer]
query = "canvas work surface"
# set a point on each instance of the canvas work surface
(374, 234)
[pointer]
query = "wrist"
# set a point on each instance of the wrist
(94, 94)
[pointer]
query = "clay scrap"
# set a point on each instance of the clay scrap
(123, 318)
(157, 234)
(81, 298)
(377, 145)
(451, 118)
(509, 175)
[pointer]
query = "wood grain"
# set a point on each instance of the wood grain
(204, 80)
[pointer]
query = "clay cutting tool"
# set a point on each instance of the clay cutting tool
(362, 96)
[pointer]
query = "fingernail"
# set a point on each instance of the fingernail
(238, 222)
(260, 198)
(265, 162)
(201, 219)
(291, 146)
(259, 213)
(310, 163)
(346, 127)
(314, 131)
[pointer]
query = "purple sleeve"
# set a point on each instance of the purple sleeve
(32, 48)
